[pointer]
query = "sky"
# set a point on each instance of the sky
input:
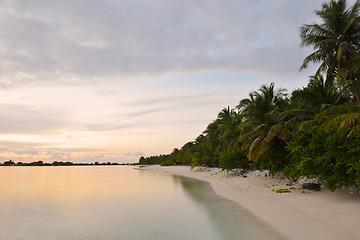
(113, 80)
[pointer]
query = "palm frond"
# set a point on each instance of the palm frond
(339, 117)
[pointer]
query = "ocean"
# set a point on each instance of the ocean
(116, 202)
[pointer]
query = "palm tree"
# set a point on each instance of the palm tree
(222, 133)
(339, 117)
(317, 95)
(349, 75)
(336, 41)
(264, 124)
(212, 135)
(266, 99)
(229, 131)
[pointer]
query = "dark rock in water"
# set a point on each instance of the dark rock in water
(315, 186)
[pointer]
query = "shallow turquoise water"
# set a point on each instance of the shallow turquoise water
(115, 202)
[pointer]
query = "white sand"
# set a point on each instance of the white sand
(296, 215)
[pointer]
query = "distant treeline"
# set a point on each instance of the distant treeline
(314, 131)
(56, 163)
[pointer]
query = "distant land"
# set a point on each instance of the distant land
(59, 163)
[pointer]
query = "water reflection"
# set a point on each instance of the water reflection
(232, 221)
(108, 203)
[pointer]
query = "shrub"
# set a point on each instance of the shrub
(333, 158)
(231, 160)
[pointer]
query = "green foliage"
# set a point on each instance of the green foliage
(317, 95)
(333, 158)
(276, 158)
(231, 160)
(328, 148)
(315, 133)
(167, 162)
(263, 122)
(282, 190)
(336, 44)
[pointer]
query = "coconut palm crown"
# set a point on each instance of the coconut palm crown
(336, 41)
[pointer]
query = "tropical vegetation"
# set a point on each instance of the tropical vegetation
(313, 131)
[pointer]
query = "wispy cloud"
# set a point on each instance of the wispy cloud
(15, 144)
(171, 99)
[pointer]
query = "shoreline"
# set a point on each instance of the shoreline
(301, 214)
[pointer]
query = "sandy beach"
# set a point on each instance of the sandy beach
(299, 215)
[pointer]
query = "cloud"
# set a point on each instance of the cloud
(135, 75)
(19, 151)
(154, 113)
(171, 99)
(24, 119)
(16, 144)
(136, 154)
(82, 42)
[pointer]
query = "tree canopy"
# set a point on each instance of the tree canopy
(313, 131)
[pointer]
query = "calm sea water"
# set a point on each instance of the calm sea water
(108, 203)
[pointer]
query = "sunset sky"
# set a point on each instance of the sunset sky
(112, 80)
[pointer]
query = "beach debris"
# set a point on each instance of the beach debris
(354, 190)
(310, 183)
(277, 175)
(290, 183)
(202, 169)
(211, 170)
(281, 190)
(257, 173)
(237, 172)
